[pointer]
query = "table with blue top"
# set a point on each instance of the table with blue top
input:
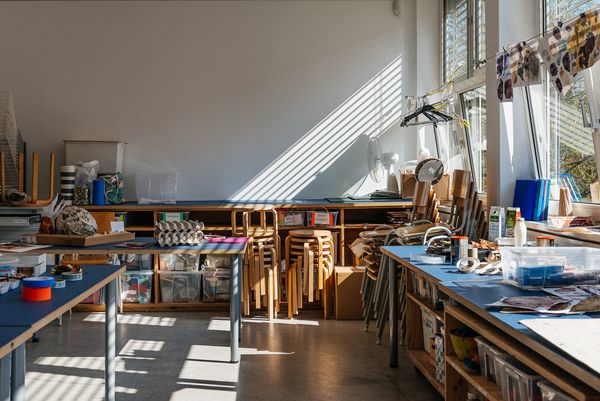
(234, 247)
(21, 319)
(399, 256)
(476, 296)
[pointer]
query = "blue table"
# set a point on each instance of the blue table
(234, 247)
(400, 256)
(10, 339)
(33, 316)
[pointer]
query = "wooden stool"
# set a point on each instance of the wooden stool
(261, 275)
(306, 251)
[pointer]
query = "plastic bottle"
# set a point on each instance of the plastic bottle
(520, 232)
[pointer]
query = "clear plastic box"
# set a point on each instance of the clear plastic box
(136, 262)
(487, 359)
(533, 268)
(517, 381)
(180, 262)
(549, 393)
(156, 188)
(215, 285)
(179, 286)
(136, 286)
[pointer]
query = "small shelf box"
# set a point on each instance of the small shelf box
(180, 286)
(136, 287)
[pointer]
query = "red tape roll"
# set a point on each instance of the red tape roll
(36, 294)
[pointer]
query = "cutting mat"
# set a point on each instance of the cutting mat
(579, 338)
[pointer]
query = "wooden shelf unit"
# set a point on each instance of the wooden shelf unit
(216, 216)
(458, 378)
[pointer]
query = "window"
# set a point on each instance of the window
(474, 109)
(464, 37)
(563, 137)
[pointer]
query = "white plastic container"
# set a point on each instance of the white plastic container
(520, 232)
(179, 286)
(156, 188)
(108, 153)
(549, 393)
(536, 267)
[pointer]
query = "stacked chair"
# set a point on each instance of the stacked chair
(467, 217)
(261, 276)
(309, 261)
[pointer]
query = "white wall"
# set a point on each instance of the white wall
(508, 137)
(218, 90)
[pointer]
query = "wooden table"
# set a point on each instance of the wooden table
(235, 247)
(20, 319)
(469, 294)
(399, 256)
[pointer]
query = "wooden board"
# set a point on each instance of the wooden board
(81, 240)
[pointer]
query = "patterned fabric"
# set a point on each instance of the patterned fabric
(113, 188)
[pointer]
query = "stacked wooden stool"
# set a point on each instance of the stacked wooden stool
(261, 274)
(309, 261)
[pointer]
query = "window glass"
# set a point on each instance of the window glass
(474, 109)
(455, 38)
(563, 138)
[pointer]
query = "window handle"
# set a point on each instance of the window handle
(585, 113)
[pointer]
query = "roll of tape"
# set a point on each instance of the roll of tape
(38, 282)
(36, 294)
(72, 276)
(60, 283)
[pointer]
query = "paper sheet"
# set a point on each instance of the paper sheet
(579, 338)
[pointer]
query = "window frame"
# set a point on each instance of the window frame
(472, 61)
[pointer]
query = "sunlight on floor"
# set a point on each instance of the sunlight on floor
(134, 319)
(56, 387)
(134, 346)
(89, 363)
(194, 394)
(293, 322)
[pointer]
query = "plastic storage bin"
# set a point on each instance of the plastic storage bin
(180, 262)
(178, 286)
(137, 287)
(517, 381)
(136, 262)
(156, 188)
(549, 393)
(533, 268)
(215, 285)
(487, 359)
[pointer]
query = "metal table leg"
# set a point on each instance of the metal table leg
(110, 338)
(235, 307)
(17, 377)
(393, 308)
(5, 377)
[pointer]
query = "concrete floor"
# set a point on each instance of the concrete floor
(184, 356)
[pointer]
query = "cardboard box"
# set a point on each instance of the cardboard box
(348, 280)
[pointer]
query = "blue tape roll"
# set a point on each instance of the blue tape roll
(98, 192)
(38, 282)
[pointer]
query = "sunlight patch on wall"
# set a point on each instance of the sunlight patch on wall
(370, 111)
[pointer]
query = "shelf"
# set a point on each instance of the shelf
(139, 228)
(439, 315)
(216, 228)
(370, 226)
(488, 389)
(421, 360)
(309, 228)
(161, 307)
